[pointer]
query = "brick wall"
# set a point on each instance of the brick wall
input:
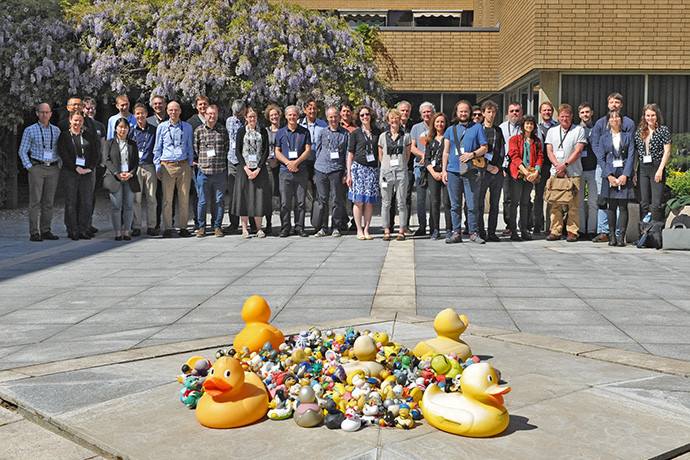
(467, 5)
(517, 39)
(444, 61)
(485, 13)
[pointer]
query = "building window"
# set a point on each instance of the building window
(671, 93)
(372, 18)
(595, 89)
(408, 18)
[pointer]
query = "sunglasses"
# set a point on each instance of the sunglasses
(474, 115)
(365, 114)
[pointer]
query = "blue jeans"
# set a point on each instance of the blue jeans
(122, 207)
(208, 185)
(602, 216)
(457, 186)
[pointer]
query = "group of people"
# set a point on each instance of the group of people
(161, 160)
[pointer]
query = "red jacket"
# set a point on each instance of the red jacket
(536, 157)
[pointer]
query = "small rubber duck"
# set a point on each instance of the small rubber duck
(404, 420)
(449, 326)
(371, 412)
(281, 407)
(444, 365)
(365, 351)
(334, 418)
(230, 398)
(256, 313)
(477, 412)
(352, 421)
(308, 413)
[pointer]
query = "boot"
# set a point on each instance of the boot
(621, 239)
(612, 238)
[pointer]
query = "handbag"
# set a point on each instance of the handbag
(559, 190)
(110, 182)
(651, 234)
(602, 202)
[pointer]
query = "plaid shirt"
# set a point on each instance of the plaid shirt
(214, 139)
(39, 143)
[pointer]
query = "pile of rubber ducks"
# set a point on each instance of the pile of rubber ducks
(347, 381)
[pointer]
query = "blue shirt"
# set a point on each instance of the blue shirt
(146, 140)
(314, 129)
(327, 143)
(40, 143)
(173, 143)
(293, 141)
(471, 138)
(111, 124)
(233, 124)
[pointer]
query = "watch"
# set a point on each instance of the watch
(566, 164)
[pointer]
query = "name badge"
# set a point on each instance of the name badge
(335, 155)
(433, 163)
(211, 153)
(384, 184)
(489, 156)
(462, 150)
(617, 163)
(252, 158)
(48, 155)
(395, 162)
(584, 154)
(646, 159)
(370, 157)
(81, 161)
(141, 153)
(124, 168)
(560, 155)
(292, 155)
(177, 150)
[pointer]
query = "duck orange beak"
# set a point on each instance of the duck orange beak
(495, 393)
(216, 387)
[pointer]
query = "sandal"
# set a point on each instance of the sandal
(386, 237)
(401, 237)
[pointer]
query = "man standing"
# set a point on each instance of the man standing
(493, 179)
(329, 172)
(509, 129)
(589, 180)
(615, 102)
(293, 148)
(159, 105)
(466, 142)
(564, 146)
(38, 152)
(418, 136)
(547, 122)
(201, 104)
(144, 134)
(346, 117)
(90, 111)
(173, 156)
(121, 104)
(210, 142)
(233, 124)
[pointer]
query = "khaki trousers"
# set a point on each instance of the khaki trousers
(176, 175)
(573, 224)
(146, 174)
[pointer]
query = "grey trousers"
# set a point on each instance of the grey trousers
(390, 180)
(43, 182)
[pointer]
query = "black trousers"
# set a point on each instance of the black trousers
(520, 196)
(438, 194)
(651, 192)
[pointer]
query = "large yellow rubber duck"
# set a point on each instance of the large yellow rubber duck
(257, 332)
(365, 351)
(231, 398)
(448, 325)
(478, 412)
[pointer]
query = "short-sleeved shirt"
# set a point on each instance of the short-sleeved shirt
(418, 133)
(661, 137)
(146, 141)
(566, 142)
(331, 149)
(470, 138)
(362, 146)
(394, 151)
(293, 141)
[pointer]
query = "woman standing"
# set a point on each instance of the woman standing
(273, 114)
(653, 146)
(525, 149)
(362, 171)
(121, 162)
(252, 190)
(79, 154)
(433, 161)
(394, 153)
(618, 165)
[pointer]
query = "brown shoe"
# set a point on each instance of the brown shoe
(201, 233)
(219, 233)
(552, 237)
(601, 238)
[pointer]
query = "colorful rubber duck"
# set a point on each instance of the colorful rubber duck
(404, 420)
(352, 421)
(448, 325)
(308, 413)
(257, 332)
(477, 412)
(280, 407)
(231, 398)
(365, 351)
(444, 365)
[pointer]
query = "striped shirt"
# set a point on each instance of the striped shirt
(40, 143)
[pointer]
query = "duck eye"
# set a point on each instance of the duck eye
(227, 373)
(212, 371)
(490, 378)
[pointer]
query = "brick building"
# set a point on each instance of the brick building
(534, 50)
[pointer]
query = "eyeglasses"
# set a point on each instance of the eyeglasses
(475, 115)
(365, 114)
(514, 111)
(89, 108)
(45, 112)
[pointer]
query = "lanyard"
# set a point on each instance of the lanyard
(287, 137)
(172, 139)
(564, 137)
(43, 138)
(457, 147)
(141, 146)
(517, 129)
(369, 141)
(394, 147)
(78, 147)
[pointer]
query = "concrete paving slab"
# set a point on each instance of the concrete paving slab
(430, 305)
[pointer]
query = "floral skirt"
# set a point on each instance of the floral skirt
(365, 184)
